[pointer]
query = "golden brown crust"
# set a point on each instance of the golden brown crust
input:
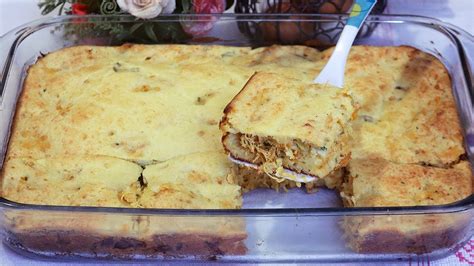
(70, 181)
(47, 80)
(407, 110)
(229, 108)
(407, 121)
(64, 104)
(396, 66)
(196, 181)
(376, 182)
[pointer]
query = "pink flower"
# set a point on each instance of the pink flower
(205, 23)
(79, 9)
(147, 9)
(208, 6)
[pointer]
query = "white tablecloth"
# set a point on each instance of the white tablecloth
(14, 13)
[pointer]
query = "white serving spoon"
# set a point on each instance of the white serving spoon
(333, 71)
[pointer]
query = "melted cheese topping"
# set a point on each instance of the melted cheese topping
(77, 180)
(145, 104)
(287, 109)
(148, 103)
(407, 110)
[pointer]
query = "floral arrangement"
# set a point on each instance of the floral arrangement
(139, 27)
(143, 10)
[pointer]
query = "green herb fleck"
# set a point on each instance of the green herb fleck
(120, 68)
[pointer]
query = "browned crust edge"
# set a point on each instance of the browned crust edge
(230, 106)
(14, 122)
(86, 244)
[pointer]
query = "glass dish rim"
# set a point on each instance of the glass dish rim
(385, 18)
(451, 31)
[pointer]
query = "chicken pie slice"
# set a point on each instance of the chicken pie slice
(281, 123)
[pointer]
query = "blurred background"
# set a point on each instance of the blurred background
(458, 12)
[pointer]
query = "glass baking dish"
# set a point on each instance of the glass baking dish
(271, 227)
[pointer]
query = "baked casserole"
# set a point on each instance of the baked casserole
(137, 126)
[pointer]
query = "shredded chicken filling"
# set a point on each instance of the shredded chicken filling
(346, 192)
(270, 154)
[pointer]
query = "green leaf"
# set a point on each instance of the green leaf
(47, 6)
(135, 27)
(48, 9)
(187, 5)
(150, 32)
(61, 8)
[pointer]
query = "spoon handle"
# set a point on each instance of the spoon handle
(333, 72)
(360, 11)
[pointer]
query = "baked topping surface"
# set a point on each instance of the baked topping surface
(76, 180)
(407, 112)
(138, 126)
(138, 102)
(142, 104)
(152, 105)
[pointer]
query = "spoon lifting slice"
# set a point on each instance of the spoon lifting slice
(333, 71)
(332, 74)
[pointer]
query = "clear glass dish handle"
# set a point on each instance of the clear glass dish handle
(7, 47)
(467, 47)
(465, 43)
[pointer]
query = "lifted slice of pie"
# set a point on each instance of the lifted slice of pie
(281, 123)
